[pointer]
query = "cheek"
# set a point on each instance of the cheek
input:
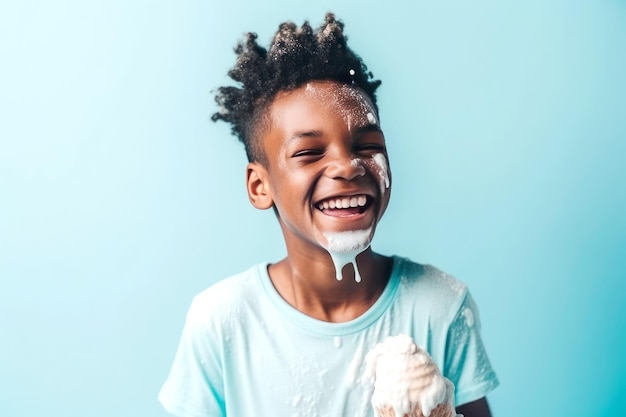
(292, 190)
(380, 167)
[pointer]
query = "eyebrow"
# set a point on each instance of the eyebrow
(369, 128)
(317, 133)
(305, 134)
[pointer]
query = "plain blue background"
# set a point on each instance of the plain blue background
(119, 199)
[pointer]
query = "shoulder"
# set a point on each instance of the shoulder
(429, 288)
(225, 298)
(429, 278)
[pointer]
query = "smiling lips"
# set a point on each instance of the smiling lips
(344, 206)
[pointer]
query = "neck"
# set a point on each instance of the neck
(307, 280)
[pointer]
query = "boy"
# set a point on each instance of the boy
(289, 338)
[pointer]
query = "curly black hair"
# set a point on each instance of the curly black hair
(295, 56)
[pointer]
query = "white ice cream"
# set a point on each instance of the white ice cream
(405, 375)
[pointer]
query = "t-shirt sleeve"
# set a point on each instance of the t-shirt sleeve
(194, 386)
(467, 364)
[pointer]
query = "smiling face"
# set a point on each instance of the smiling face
(326, 169)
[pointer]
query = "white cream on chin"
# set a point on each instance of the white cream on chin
(344, 247)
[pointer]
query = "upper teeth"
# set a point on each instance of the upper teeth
(344, 202)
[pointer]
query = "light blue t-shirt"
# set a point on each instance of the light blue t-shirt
(245, 352)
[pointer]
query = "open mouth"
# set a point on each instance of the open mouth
(345, 206)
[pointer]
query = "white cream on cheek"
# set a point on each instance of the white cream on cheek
(383, 170)
(378, 165)
(358, 163)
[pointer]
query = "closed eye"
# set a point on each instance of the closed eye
(308, 153)
(370, 148)
(369, 140)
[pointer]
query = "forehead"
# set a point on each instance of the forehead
(340, 94)
(316, 100)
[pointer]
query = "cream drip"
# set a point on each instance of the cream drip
(344, 247)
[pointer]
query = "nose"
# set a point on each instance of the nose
(345, 167)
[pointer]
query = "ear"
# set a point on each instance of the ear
(259, 190)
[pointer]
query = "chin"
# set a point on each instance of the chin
(349, 241)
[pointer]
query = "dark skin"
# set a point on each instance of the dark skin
(324, 144)
(318, 150)
(478, 408)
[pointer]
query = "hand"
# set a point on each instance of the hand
(478, 408)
